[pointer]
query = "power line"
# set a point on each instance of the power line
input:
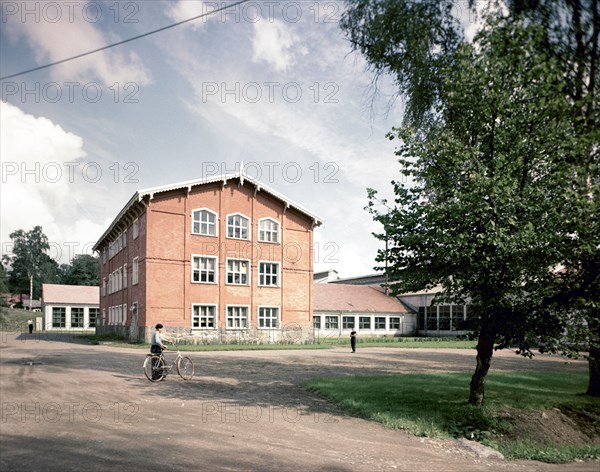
(125, 40)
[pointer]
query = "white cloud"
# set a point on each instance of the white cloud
(43, 184)
(185, 9)
(276, 44)
(71, 34)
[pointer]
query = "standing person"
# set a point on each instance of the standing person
(353, 340)
(30, 324)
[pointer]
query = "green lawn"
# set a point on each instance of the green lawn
(434, 405)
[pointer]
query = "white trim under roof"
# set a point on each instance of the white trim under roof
(140, 194)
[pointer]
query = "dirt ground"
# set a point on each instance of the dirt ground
(68, 406)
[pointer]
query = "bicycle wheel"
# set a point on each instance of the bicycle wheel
(154, 368)
(185, 368)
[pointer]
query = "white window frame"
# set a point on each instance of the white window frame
(248, 228)
(77, 309)
(227, 317)
(262, 276)
(124, 275)
(199, 270)
(263, 231)
(385, 322)
(200, 222)
(344, 324)
(135, 228)
(277, 317)
(135, 271)
(227, 271)
(328, 322)
(215, 317)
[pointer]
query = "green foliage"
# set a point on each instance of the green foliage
(500, 151)
(480, 217)
(83, 270)
(412, 41)
(30, 262)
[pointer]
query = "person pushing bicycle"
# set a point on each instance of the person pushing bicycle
(157, 343)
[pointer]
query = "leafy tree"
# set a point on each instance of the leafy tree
(480, 218)
(502, 153)
(83, 270)
(3, 284)
(29, 264)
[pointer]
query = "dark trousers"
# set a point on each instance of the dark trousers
(157, 351)
(353, 344)
(30, 328)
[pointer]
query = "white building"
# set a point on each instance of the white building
(340, 308)
(73, 307)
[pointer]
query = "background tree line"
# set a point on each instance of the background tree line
(29, 266)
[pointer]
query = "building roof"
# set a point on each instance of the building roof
(371, 279)
(71, 294)
(241, 176)
(354, 298)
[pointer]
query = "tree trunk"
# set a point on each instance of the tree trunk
(485, 350)
(30, 291)
(594, 364)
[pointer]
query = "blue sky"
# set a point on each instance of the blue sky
(272, 84)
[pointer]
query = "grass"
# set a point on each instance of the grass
(15, 319)
(434, 405)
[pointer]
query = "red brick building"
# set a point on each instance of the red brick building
(218, 259)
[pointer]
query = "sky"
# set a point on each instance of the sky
(274, 85)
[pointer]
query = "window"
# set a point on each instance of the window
(317, 321)
(59, 316)
(125, 276)
(348, 322)
(268, 274)
(93, 314)
(136, 228)
(104, 287)
(204, 269)
(331, 322)
(421, 319)
(204, 222)
(444, 311)
(379, 322)
(431, 321)
(395, 322)
(268, 230)
(237, 227)
(237, 317)
(364, 322)
(458, 317)
(204, 316)
(77, 317)
(135, 271)
(238, 271)
(268, 317)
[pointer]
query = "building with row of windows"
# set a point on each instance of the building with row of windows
(216, 259)
(69, 307)
(341, 308)
(428, 318)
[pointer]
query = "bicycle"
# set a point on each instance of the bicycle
(156, 368)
